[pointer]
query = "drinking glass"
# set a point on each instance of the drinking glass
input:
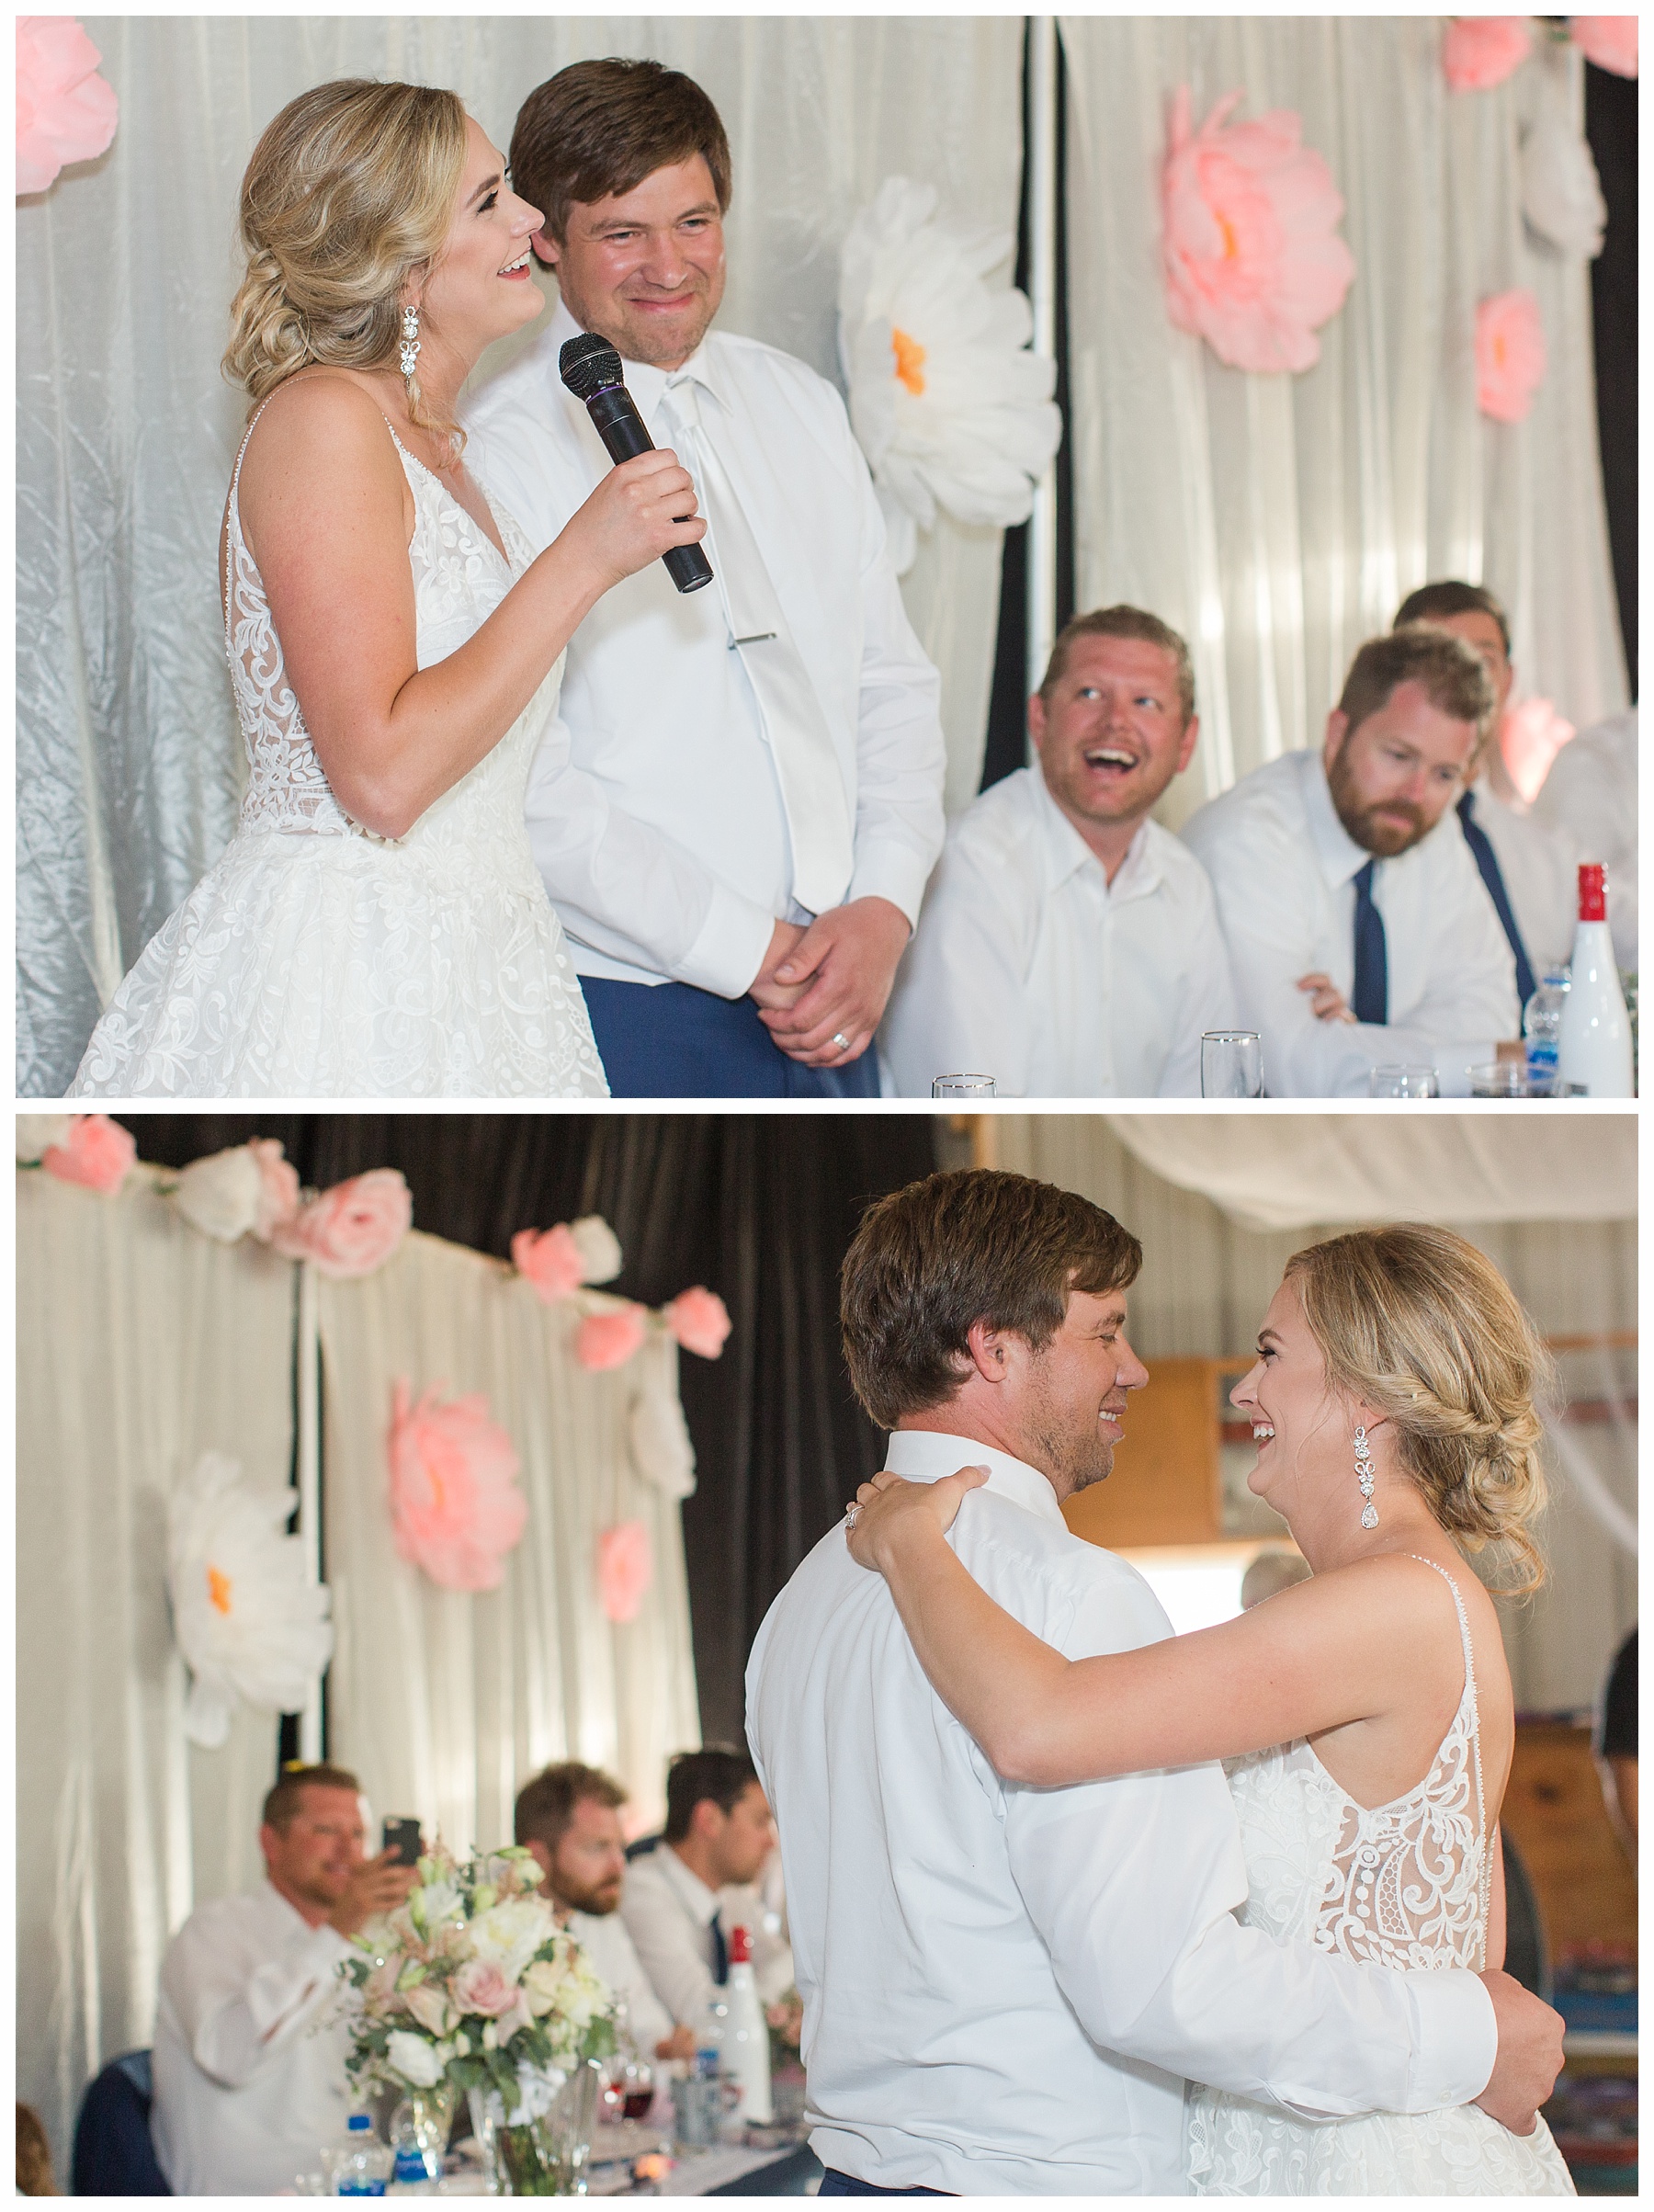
(962, 1086)
(1403, 1083)
(1231, 1063)
(1511, 1079)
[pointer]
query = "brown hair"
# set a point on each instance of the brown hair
(598, 129)
(1453, 676)
(717, 1772)
(973, 1244)
(349, 193)
(1121, 622)
(286, 1798)
(546, 1806)
(1421, 1326)
(1432, 600)
(34, 2155)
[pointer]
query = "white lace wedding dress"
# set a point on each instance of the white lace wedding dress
(1405, 1885)
(318, 960)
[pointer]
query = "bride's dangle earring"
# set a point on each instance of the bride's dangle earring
(410, 341)
(1364, 1476)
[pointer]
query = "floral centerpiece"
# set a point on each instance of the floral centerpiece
(470, 1985)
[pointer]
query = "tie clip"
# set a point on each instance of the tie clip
(757, 638)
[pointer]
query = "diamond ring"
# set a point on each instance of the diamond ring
(850, 1512)
(841, 1040)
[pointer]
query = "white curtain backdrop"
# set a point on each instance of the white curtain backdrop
(140, 1344)
(1207, 1279)
(445, 1703)
(1277, 521)
(129, 757)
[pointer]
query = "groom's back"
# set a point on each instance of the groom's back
(941, 2049)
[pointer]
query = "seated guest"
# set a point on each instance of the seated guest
(1069, 946)
(569, 1818)
(1530, 868)
(1590, 795)
(683, 1895)
(1360, 931)
(248, 2087)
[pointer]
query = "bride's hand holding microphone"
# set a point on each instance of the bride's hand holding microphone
(638, 513)
(890, 1516)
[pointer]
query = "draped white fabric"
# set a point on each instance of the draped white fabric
(130, 759)
(140, 1344)
(446, 1703)
(1207, 1279)
(1279, 520)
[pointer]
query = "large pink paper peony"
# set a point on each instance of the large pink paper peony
(1608, 41)
(1530, 737)
(65, 112)
(1510, 355)
(550, 1259)
(1479, 52)
(351, 1229)
(700, 1322)
(1254, 260)
(98, 1154)
(455, 1506)
(624, 1569)
(608, 1340)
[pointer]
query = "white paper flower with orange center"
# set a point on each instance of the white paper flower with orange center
(948, 405)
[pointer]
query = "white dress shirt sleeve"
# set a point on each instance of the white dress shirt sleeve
(671, 1949)
(961, 1002)
(1119, 1878)
(236, 2014)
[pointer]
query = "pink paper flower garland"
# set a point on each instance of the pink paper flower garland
(455, 1507)
(1480, 52)
(65, 112)
(1608, 41)
(1510, 355)
(625, 1570)
(97, 1154)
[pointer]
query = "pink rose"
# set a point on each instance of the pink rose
(1530, 737)
(608, 1340)
(1510, 355)
(700, 1322)
(1608, 41)
(550, 1259)
(455, 1507)
(481, 1987)
(1479, 52)
(351, 1229)
(65, 112)
(97, 1154)
(625, 1570)
(277, 1188)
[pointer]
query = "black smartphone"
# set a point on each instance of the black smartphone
(403, 1837)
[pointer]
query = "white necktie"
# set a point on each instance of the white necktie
(812, 790)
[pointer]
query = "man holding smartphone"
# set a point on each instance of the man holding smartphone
(247, 2088)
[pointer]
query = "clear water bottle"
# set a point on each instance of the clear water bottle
(1542, 1025)
(415, 2153)
(709, 2037)
(360, 2164)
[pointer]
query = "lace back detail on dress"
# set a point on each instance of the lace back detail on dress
(1409, 1884)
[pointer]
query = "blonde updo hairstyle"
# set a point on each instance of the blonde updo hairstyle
(1422, 1327)
(349, 193)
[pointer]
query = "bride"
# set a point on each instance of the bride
(378, 927)
(1365, 1715)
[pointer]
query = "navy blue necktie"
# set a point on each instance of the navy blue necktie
(1369, 997)
(1487, 859)
(720, 1952)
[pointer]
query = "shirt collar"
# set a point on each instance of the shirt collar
(1067, 852)
(645, 383)
(927, 1454)
(1340, 857)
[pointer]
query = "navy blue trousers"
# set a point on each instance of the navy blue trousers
(670, 1040)
(835, 2184)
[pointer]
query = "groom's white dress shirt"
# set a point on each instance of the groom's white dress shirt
(654, 808)
(1005, 1988)
(248, 2084)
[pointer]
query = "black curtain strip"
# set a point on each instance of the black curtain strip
(1610, 127)
(758, 1207)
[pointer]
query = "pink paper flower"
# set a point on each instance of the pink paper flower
(1479, 52)
(1608, 41)
(1252, 258)
(455, 1507)
(97, 1154)
(700, 1322)
(608, 1340)
(1510, 355)
(1530, 737)
(277, 1188)
(351, 1229)
(550, 1259)
(624, 1569)
(65, 113)
(481, 1987)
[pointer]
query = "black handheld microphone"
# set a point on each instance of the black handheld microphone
(591, 368)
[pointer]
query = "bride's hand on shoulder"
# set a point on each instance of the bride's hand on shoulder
(889, 1512)
(640, 511)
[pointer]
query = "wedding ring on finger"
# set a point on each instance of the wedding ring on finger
(841, 1040)
(851, 1511)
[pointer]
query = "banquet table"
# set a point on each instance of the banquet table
(771, 2162)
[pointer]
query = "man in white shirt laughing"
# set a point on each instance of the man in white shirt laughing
(1359, 929)
(738, 806)
(1005, 1987)
(1070, 947)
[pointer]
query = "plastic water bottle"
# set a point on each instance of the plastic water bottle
(709, 2039)
(1593, 1041)
(415, 2155)
(360, 2166)
(1542, 1025)
(746, 2041)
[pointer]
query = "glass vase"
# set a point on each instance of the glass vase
(539, 2148)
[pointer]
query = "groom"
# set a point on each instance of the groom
(1005, 1988)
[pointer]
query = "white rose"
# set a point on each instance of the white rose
(220, 1196)
(661, 1449)
(414, 2059)
(598, 1246)
(510, 1932)
(37, 1133)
